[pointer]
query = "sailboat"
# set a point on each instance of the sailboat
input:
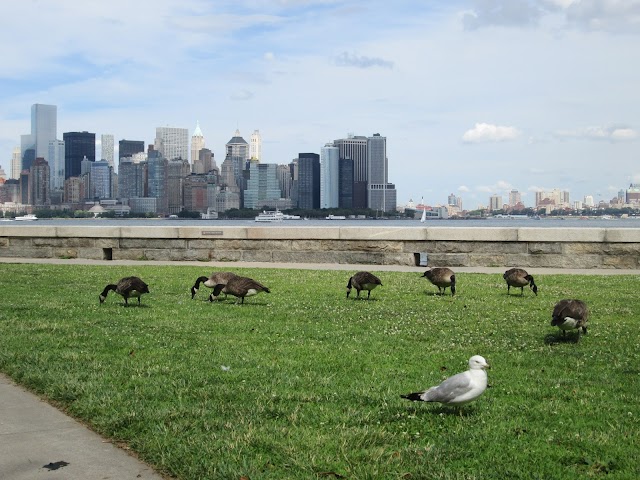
(424, 212)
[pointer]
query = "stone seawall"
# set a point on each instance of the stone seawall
(437, 246)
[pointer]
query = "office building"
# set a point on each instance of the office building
(56, 164)
(197, 144)
(128, 148)
(308, 181)
(172, 142)
(131, 179)
(514, 198)
(157, 178)
(255, 147)
(39, 183)
(345, 194)
(77, 145)
(99, 180)
(262, 185)
(107, 147)
(329, 176)
(16, 163)
(381, 195)
(177, 171)
(355, 148)
(495, 202)
(43, 130)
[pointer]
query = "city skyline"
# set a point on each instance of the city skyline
(474, 98)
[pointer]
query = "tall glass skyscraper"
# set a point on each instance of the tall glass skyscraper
(77, 145)
(308, 182)
(44, 124)
(329, 176)
(172, 142)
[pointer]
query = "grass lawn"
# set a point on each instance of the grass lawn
(302, 383)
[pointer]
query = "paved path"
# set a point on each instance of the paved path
(39, 442)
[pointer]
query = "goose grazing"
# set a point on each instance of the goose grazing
(517, 277)
(459, 389)
(239, 287)
(127, 287)
(442, 278)
(216, 278)
(569, 315)
(363, 281)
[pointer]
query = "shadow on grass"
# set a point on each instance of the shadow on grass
(554, 339)
(426, 409)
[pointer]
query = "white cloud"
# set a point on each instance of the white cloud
(351, 60)
(485, 132)
(464, 188)
(612, 134)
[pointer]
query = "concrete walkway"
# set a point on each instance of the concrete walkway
(39, 442)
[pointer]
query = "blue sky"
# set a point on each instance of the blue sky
(474, 97)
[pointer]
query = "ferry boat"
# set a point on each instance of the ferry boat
(27, 217)
(336, 217)
(270, 216)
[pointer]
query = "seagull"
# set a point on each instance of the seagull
(459, 389)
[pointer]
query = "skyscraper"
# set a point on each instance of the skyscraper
(237, 154)
(56, 164)
(308, 182)
(380, 193)
(345, 195)
(128, 148)
(39, 182)
(100, 180)
(77, 145)
(197, 144)
(262, 185)
(172, 142)
(514, 198)
(16, 163)
(43, 130)
(355, 148)
(255, 152)
(106, 147)
(329, 176)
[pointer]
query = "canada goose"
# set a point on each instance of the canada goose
(459, 389)
(211, 281)
(238, 287)
(442, 277)
(363, 281)
(570, 314)
(517, 277)
(127, 287)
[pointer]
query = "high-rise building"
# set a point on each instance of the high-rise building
(100, 180)
(285, 180)
(157, 177)
(308, 181)
(495, 202)
(355, 148)
(128, 148)
(262, 185)
(345, 195)
(514, 198)
(197, 143)
(16, 163)
(329, 176)
(131, 179)
(56, 164)
(172, 142)
(177, 171)
(77, 145)
(43, 130)
(106, 147)
(632, 194)
(381, 195)
(255, 148)
(231, 171)
(39, 182)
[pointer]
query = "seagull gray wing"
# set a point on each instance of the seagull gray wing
(450, 389)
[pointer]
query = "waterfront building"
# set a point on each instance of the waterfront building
(345, 178)
(308, 181)
(131, 178)
(355, 148)
(632, 194)
(99, 180)
(73, 190)
(262, 184)
(285, 180)
(157, 178)
(495, 202)
(381, 195)
(172, 142)
(514, 198)
(78, 145)
(178, 171)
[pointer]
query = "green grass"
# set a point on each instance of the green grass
(303, 383)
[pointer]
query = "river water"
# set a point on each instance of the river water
(633, 222)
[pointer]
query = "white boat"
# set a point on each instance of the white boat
(27, 217)
(270, 216)
(336, 217)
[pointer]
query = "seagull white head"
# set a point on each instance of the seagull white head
(478, 362)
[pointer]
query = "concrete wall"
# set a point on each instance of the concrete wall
(443, 246)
